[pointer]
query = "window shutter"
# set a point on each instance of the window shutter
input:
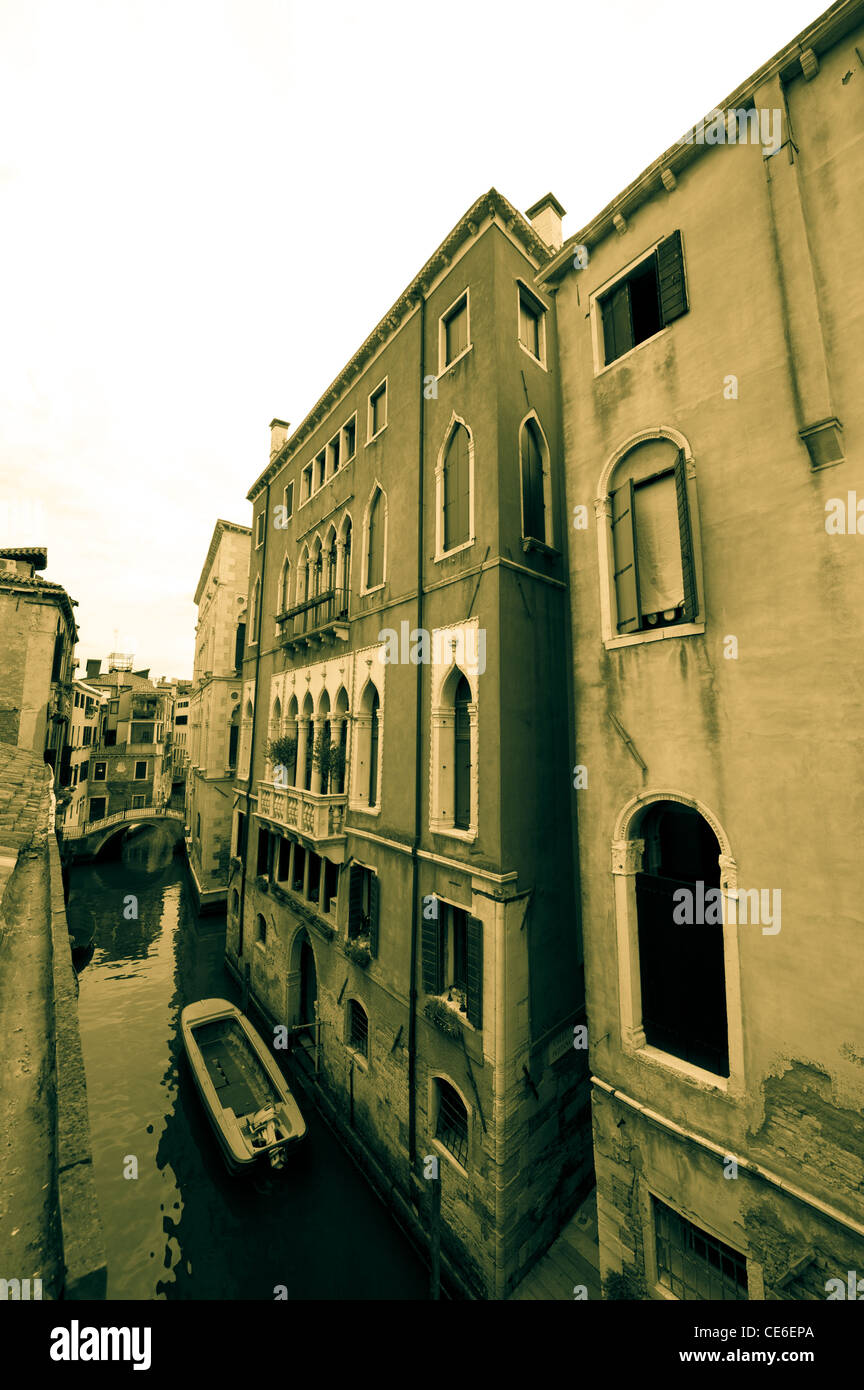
(355, 899)
(624, 550)
(670, 275)
(374, 900)
(474, 944)
(430, 954)
(691, 598)
(617, 325)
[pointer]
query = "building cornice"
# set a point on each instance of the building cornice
(788, 64)
(219, 531)
(491, 205)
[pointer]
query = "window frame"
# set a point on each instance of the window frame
(602, 291)
(140, 762)
(534, 542)
(755, 1288)
(444, 365)
(440, 552)
(434, 1112)
(535, 302)
(141, 799)
(361, 1056)
(381, 388)
(610, 635)
(365, 587)
(260, 525)
(96, 777)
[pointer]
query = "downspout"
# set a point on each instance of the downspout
(258, 621)
(418, 765)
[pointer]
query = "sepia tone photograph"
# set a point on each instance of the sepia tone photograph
(431, 656)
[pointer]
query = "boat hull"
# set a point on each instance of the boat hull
(247, 1099)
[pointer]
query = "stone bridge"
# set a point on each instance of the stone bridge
(85, 841)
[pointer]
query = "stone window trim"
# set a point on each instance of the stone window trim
(374, 395)
(436, 1145)
(361, 1060)
(359, 750)
(605, 552)
(375, 490)
(546, 542)
(626, 862)
(442, 755)
(440, 553)
(524, 291)
(443, 365)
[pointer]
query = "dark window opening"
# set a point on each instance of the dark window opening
(648, 299)
(451, 1129)
(358, 1028)
(263, 851)
(314, 877)
(681, 966)
(693, 1264)
(299, 869)
(462, 756)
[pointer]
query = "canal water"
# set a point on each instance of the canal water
(183, 1228)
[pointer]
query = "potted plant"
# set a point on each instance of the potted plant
(282, 751)
(443, 1018)
(357, 949)
(329, 759)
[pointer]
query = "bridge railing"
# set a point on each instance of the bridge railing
(76, 832)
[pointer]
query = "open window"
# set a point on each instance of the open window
(452, 957)
(453, 334)
(646, 299)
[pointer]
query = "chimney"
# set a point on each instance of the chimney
(94, 666)
(278, 435)
(545, 217)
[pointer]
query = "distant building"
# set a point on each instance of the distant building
(711, 336)
(130, 766)
(214, 711)
(37, 643)
(83, 737)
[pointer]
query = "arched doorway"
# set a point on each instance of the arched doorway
(302, 993)
(308, 983)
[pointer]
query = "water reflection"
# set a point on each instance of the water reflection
(176, 1224)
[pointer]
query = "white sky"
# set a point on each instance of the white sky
(206, 207)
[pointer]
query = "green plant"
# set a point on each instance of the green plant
(329, 759)
(444, 1019)
(358, 951)
(282, 752)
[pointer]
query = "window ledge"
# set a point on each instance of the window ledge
(632, 639)
(530, 543)
(448, 367)
(685, 1071)
(442, 1149)
(538, 361)
(439, 828)
(372, 438)
(601, 370)
(360, 1062)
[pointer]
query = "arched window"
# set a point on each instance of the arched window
(315, 568)
(648, 539)
(462, 760)
(453, 788)
(367, 743)
(303, 576)
(291, 731)
(246, 739)
(457, 489)
(340, 719)
(343, 566)
(233, 737)
(239, 645)
(680, 925)
(261, 929)
(535, 483)
(283, 602)
(307, 742)
(375, 540)
(322, 747)
(328, 562)
(358, 1028)
(451, 1120)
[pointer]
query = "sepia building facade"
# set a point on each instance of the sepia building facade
(130, 766)
(37, 659)
(403, 844)
(214, 711)
(711, 330)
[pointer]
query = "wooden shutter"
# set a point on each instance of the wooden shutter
(355, 899)
(617, 322)
(430, 953)
(688, 568)
(375, 560)
(474, 944)
(374, 901)
(457, 482)
(670, 276)
(625, 565)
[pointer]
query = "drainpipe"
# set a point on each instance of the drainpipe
(748, 1166)
(258, 620)
(418, 766)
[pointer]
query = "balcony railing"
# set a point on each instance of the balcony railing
(323, 615)
(316, 816)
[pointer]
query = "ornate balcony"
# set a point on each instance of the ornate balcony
(315, 817)
(321, 618)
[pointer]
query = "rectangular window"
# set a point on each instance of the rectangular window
(284, 862)
(306, 484)
(82, 772)
(141, 771)
(319, 471)
(349, 439)
(288, 499)
(331, 887)
(363, 905)
(333, 456)
(653, 295)
(99, 772)
(181, 719)
(314, 877)
(97, 807)
(138, 801)
(233, 739)
(378, 410)
(452, 957)
(692, 1264)
(86, 737)
(259, 530)
(532, 325)
(298, 869)
(263, 852)
(454, 332)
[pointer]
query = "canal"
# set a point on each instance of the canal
(183, 1228)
